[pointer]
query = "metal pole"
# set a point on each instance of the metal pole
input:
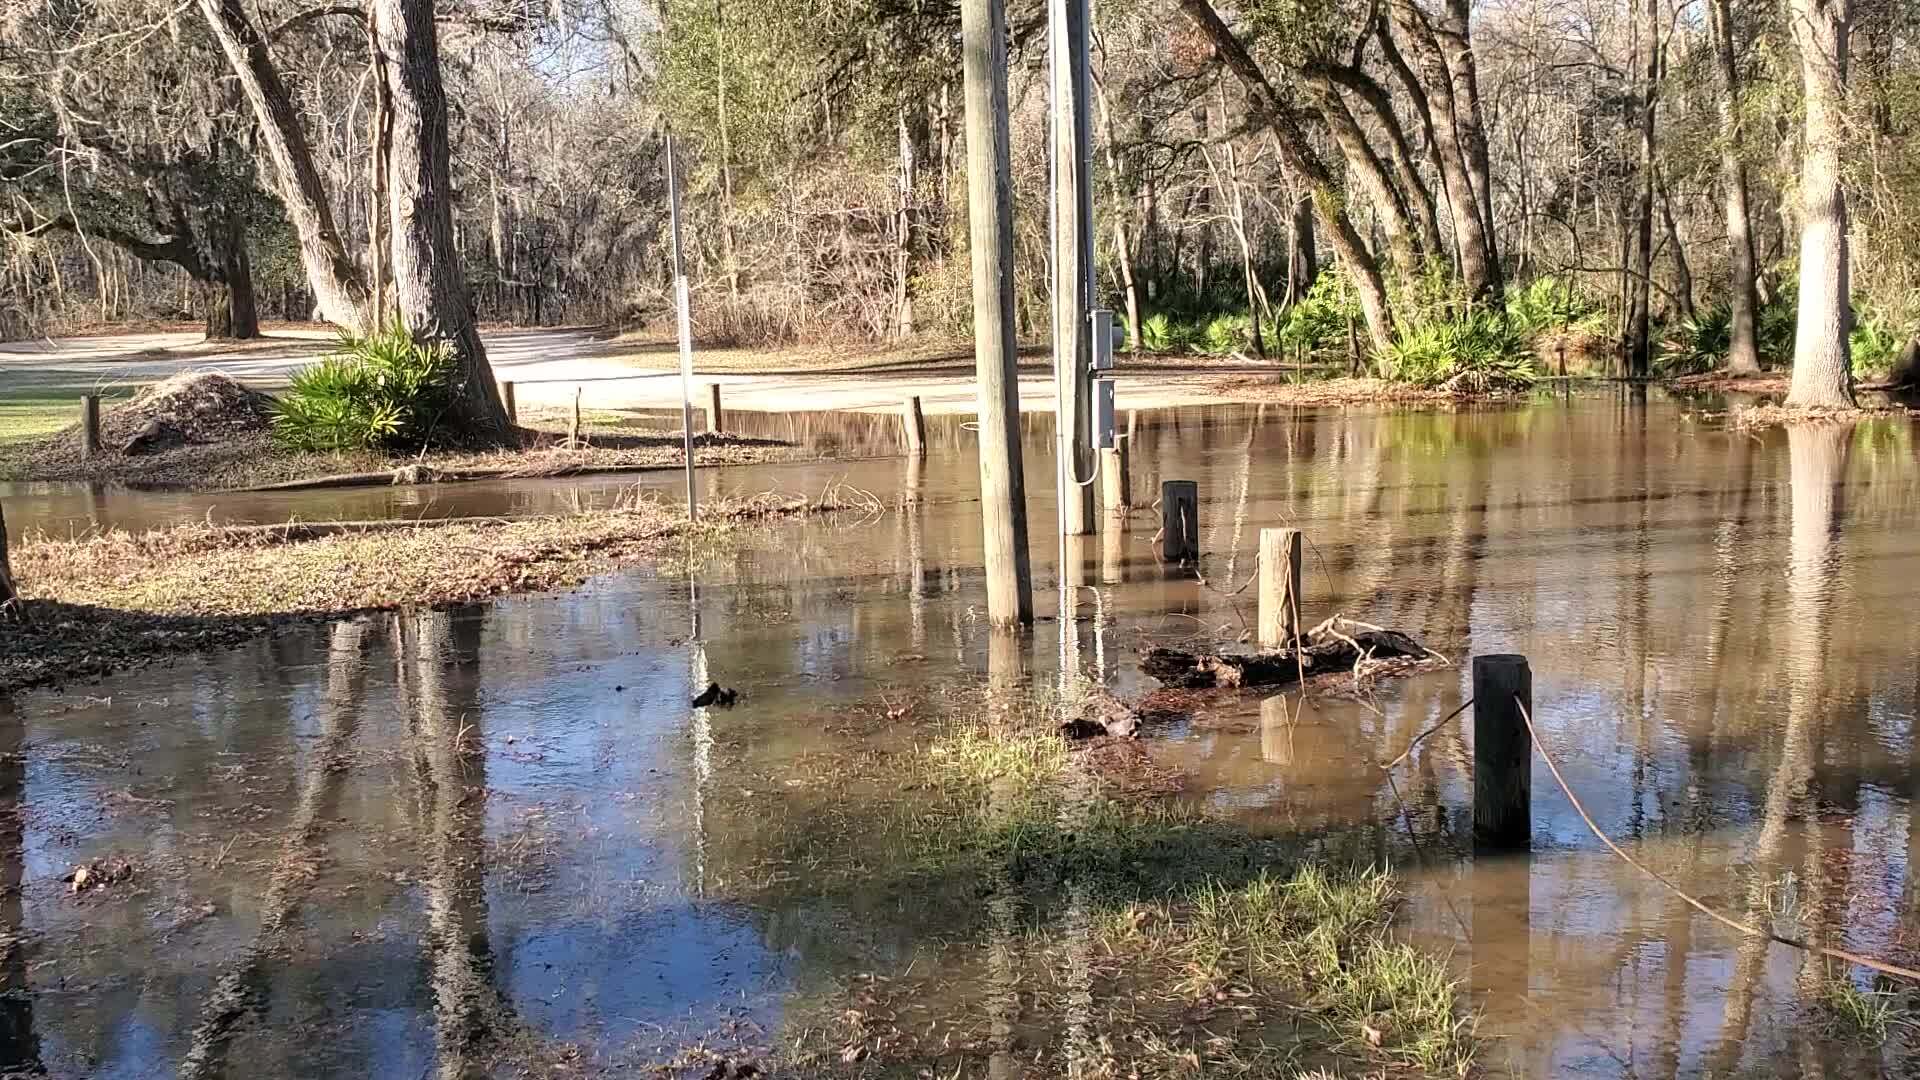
(684, 304)
(1071, 216)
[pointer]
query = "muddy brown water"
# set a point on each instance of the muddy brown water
(357, 847)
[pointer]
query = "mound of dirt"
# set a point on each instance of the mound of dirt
(192, 407)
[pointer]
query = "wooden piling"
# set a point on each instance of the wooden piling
(573, 430)
(714, 418)
(1502, 754)
(1179, 521)
(915, 423)
(89, 426)
(506, 398)
(1279, 588)
(1116, 477)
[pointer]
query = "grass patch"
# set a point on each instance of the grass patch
(974, 859)
(30, 416)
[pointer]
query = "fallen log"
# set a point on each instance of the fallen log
(1337, 645)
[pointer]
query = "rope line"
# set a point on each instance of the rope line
(1417, 739)
(1744, 928)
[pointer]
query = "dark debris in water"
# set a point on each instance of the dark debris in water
(98, 874)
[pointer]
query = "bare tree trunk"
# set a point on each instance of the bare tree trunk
(1743, 354)
(1479, 268)
(1682, 272)
(1413, 190)
(1822, 363)
(1123, 254)
(1640, 311)
(1366, 167)
(1303, 262)
(338, 288)
(903, 240)
(1299, 157)
(728, 247)
(232, 312)
(429, 292)
(1455, 34)
(380, 166)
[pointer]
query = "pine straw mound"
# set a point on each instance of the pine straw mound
(200, 406)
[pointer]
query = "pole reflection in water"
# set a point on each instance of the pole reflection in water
(450, 762)
(19, 1042)
(240, 991)
(698, 680)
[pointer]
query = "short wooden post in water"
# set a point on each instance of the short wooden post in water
(915, 424)
(1179, 521)
(89, 426)
(1279, 588)
(1502, 754)
(1116, 478)
(713, 409)
(573, 429)
(506, 398)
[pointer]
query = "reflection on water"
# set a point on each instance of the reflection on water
(396, 846)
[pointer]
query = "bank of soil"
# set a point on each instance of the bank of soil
(114, 600)
(1278, 389)
(206, 431)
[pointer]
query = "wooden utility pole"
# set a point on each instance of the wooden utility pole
(1072, 153)
(1003, 490)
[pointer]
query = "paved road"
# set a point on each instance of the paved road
(547, 366)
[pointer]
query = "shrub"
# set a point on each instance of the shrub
(1874, 344)
(1553, 304)
(382, 390)
(1162, 333)
(1226, 334)
(1319, 320)
(1698, 343)
(1777, 327)
(1482, 346)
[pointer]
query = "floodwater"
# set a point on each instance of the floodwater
(361, 848)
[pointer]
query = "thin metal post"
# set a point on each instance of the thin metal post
(684, 308)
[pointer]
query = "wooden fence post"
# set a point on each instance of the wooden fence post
(714, 426)
(1116, 476)
(915, 423)
(1502, 754)
(506, 398)
(1179, 521)
(1279, 588)
(89, 426)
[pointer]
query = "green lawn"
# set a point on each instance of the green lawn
(26, 414)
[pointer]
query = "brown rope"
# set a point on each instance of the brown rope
(1751, 931)
(1417, 739)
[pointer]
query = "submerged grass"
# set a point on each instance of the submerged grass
(999, 902)
(1849, 1011)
